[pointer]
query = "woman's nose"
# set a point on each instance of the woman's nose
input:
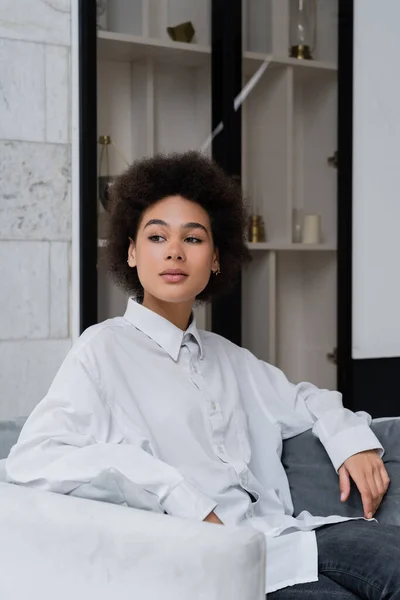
(175, 253)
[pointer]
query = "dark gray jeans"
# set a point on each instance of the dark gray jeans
(356, 559)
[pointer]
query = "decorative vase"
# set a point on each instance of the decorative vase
(104, 177)
(303, 28)
(256, 229)
(311, 229)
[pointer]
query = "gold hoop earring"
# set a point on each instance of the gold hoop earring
(218, 271)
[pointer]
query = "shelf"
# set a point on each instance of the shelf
(275, 247)
(125, 48)
(253, 60)
(290, 247)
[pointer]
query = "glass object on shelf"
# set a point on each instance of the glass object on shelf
(104, 177)
(101, 8)
(297, 225)
(105, 180)
(303, 28)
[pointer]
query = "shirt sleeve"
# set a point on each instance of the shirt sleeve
(300, 407)
(64, 447)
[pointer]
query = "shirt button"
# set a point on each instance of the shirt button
(213, 405)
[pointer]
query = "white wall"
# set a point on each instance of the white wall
(376, 180)
(35, 198)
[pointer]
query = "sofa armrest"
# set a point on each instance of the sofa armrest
(58, 546)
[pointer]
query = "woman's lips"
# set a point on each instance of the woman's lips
(173, 277)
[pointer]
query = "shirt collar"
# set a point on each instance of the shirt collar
(159, 329)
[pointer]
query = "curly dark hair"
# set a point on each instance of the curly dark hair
(195, 178)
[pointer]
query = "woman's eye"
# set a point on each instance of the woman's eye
(193, 240)
(156, 238)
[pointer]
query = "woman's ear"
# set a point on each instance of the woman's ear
(215, 265)
(132, 254)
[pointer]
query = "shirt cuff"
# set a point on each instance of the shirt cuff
(187, 502)
(351, 441)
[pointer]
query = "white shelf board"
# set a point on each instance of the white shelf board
(126, 48)
(253, 60)
(291, 247)
(275, 247)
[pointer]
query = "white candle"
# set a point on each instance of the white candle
(311, 229)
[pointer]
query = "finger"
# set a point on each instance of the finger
(381, 489)
(363, 483)
(380, 485)
(385, 477)
(367, 503)
(344, 484)
(376, 497)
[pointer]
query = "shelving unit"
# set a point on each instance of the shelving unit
(122, 47)
(155, 95)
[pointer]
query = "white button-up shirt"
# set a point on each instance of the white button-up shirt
(184, 422)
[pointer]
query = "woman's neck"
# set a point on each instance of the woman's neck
(177, 313)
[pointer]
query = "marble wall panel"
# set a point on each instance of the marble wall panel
(27, 370)
(24, 292)
(59, 289)
(36, 20)
(58, 98)
(22, 91)
(35, 198)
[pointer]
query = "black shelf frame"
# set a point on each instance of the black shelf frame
(226, 83)
(87, 35)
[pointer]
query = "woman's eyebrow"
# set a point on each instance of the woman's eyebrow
(156, 222)
(192, 225)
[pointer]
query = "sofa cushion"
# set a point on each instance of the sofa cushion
(9, 433)
(314, 483)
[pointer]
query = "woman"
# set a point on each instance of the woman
(150, 412)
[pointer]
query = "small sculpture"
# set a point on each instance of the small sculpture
(184, 32)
